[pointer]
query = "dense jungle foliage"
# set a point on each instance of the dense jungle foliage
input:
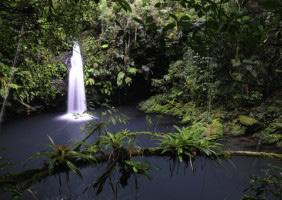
(217, 61)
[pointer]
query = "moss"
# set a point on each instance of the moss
(235, 129)
(215, 128)
(247, 121)
(186, 111)
(275, 138)
(149, 105)
(264, 121)
(272, 134)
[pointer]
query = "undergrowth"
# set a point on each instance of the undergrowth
(263, 122)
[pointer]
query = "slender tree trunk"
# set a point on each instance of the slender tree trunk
(12, 75)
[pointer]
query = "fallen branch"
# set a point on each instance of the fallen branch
(26, 178)
(269, 155)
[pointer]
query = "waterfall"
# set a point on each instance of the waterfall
(76, 89)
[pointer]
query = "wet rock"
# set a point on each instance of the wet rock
(247, 121)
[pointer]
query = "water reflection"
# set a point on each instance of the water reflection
(165, 180)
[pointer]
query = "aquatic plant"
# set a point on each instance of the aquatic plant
(118, 140)
(132, 167)
(4, 163)
(267, 186)
(187, 143)
(63, 157)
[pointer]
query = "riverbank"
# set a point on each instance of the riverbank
(261, 124)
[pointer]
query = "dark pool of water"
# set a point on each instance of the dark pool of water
(22, 138)
(209, 181)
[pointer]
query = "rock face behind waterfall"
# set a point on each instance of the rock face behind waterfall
(76, 89)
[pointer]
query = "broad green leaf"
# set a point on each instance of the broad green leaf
(128, 80)
(131, 70)
(104, 46)
(120, 78)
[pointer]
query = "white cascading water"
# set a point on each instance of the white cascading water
(76, 89)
